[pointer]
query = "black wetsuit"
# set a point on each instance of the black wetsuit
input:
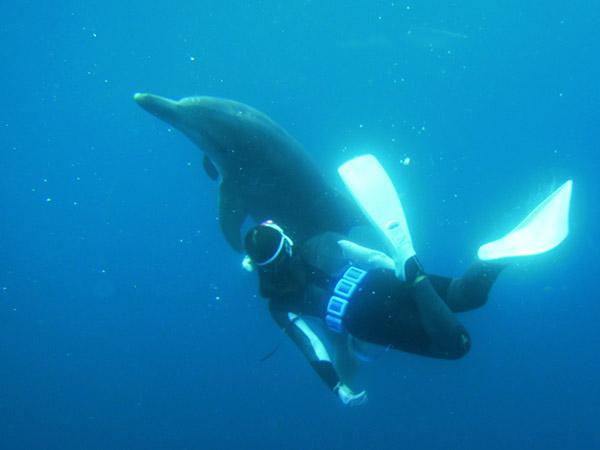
(414, 317)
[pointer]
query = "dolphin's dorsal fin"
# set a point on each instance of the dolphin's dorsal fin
(209, 168)
(232, 214)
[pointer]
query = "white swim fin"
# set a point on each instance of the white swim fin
(375, 194)
(543, 229)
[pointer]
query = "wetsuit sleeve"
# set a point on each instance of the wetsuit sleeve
(309, 344)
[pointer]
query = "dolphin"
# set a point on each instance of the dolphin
(264, 172)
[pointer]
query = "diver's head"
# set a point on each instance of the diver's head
(267, 246)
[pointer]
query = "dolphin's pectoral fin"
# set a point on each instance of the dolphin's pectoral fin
(209, 168)
(232, 214)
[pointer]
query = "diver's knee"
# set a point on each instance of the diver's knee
(461, 344)
(455, 346)
(464, 344)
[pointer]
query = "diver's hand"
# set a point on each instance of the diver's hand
(367, 258)
(348, 397)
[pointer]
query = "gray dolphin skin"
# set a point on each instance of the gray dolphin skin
(264, 172)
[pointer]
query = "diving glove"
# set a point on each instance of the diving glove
(348, 397)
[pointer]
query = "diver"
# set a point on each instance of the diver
(367, 296)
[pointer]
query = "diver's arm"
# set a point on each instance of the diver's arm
(366, 258)
(309, 344)
(315, 352)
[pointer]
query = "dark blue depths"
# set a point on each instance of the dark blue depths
(127, 322)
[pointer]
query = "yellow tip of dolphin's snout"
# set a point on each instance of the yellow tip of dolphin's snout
(138, 97)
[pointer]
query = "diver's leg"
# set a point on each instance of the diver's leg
(471, 291)
(439, 322)
(375, 194)
(543, 229)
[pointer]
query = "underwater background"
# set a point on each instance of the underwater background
(126, 321)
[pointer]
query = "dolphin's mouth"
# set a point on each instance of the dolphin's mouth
(142, 99)
(161, 107)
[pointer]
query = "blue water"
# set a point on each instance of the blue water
(127, 322)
